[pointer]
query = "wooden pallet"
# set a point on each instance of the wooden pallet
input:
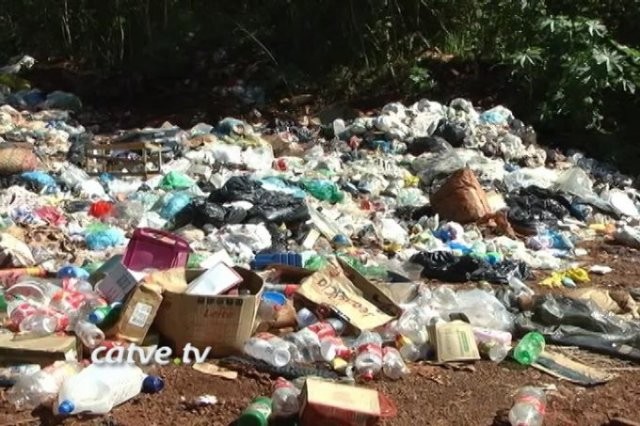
(99, 159)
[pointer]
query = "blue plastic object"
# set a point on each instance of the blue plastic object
(263, 260)
(174, 205)
(274, 297)
(42, 179)
(103, 239)
(152, 384)
(73, 272)
(66, 407)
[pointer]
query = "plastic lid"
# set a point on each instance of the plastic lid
(274, 297)
(368, 375)
(66, 407)
(152, 384)
(97, 316)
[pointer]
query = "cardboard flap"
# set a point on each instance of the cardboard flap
(563, 367)
(330, 287)
(379, 295)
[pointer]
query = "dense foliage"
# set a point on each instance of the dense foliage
(574, 62)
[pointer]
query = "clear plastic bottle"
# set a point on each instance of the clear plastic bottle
(308, 339)
(268, 348)
(90, 335)
(100, 387)
(335, 347)
(411, 351)
(40, 324)
(392, 364)
(32, 390)
(368, 361)
(529, 407)
(305, 318)
(519, 288)
(284, 400)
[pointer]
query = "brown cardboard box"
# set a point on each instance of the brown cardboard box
(222, 322)
(38, 350)
(454, 341)
(138, 313)
(331, 404)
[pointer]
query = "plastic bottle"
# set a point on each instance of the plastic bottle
(9, 375)
(411, 351)
(529, 407)
(308, 339)
(73, 176)
(519, 287)
(268, 348)
(368, 362)
(100, 387)
(392, 364)
(257, 413)
(305, 318)
(285, 399)
(334, 347)
(90, 335)
(40, 324)
(42, 386)
(529, 348)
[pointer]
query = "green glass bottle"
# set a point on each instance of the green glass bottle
(257, 413)
(529, 348)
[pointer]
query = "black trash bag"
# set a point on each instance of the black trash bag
(269, 206)
(203, 212)
(567, 321)
(446, 266)
(532, 206)
(500, 272)
(450, 132)
(7, 181)
(434, 144)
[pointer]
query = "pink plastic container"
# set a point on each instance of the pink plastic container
(155, 249)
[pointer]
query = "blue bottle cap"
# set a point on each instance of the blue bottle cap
(66, 407)
(152, 384)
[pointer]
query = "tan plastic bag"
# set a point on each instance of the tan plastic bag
(461, 198)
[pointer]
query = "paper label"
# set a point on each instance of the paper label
(140, 314)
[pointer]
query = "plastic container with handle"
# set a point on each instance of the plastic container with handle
(155, 249)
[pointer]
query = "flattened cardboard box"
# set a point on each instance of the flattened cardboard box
(222, 323)
(332, 404)
(454, 341)
(138, 313)
(38, 350)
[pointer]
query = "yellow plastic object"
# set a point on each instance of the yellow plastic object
(578, 275)
(411, 181)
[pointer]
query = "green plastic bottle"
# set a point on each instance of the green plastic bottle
(257, 413)
(316, 262)
(529, 348)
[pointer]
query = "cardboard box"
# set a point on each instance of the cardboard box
(223, 323)
(115, 281)
(138, 314)
(454, 341)
(331, 404)
(38, 350)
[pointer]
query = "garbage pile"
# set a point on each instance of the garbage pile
(299, 249)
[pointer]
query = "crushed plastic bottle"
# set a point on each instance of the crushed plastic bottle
(284, 399)
(100, 387)
(32, 390)
(307, 340)
(529, 407)
(368, 361)
(268, 348)
(529, 348)
(392, 364)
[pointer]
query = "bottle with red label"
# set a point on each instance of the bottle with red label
(335, 347)
(529, 407)
(284, 400)
(308, 339)
(368, 362)
(268, 348)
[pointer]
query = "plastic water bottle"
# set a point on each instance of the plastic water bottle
(100, 387)
(305, 318)
(392, 364)
(268, 348)
(368, 362)
(335, 347)
(529, 407)
(90, 335)
(40, 324)
(9, 375)
(32, 390)
(308, 339)
(411, 351)
(529, 348)
(284, 400)
(519, 287)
